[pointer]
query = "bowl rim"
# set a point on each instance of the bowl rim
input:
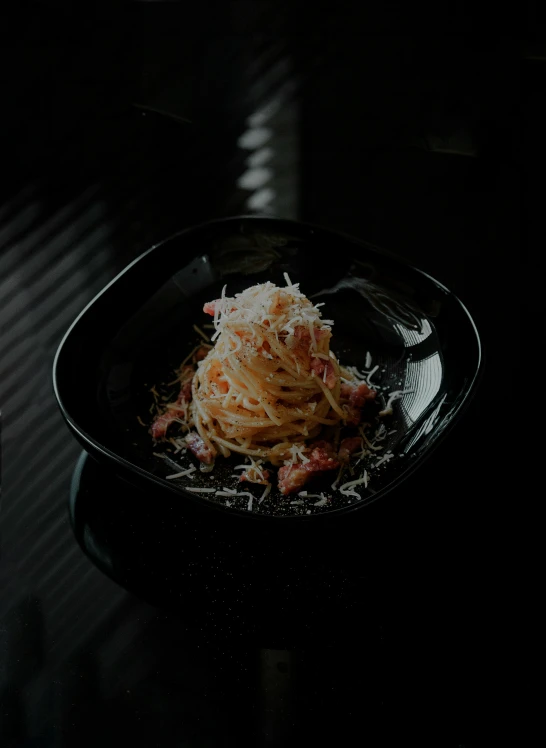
(93, 446)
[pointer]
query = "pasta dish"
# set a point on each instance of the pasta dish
(268, 387)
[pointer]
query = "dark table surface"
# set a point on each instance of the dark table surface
(125, 126)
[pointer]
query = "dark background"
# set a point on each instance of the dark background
(400, 127)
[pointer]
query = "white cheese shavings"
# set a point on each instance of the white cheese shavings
(296, 452)
(340, 473)
(356, 373)
(321, 496)
(347, 488)
(231, 494)
(384, 458)
(178, 444)
(265, 493)
(200, 490)
(189, 471)
(370, 375)
(284, 309)
(253, 470)
(396, 395)
(380, 434)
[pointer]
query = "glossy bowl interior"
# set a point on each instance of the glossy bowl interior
(141, 326)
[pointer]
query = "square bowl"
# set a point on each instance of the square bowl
(420, 338)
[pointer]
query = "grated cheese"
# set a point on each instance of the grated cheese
(347, 488)
(356, 373)
(385, 458)
(370, 375)
(296, 452)
(231, 494)
(189, 471)
(265, 493)
(178, 444)
(256, 305)
(396, 395)
(252, 469)
(321, 496)
(334, 484)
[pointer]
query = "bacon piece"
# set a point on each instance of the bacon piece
(210, 307)
(159, 427)
(348, 446)
(331, 377)
(321, 458)
(346, 390)
(199, 448)
(361, 394)
(185, 394)
(292, 478)
(324, 446)
(202, 353)
(352, 415)
(357, 396)
(318, 366)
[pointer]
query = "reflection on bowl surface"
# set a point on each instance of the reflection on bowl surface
(402, 331)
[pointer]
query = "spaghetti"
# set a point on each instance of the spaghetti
(270, 382)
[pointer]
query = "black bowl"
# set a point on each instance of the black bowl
(235, 583)
(139, 328)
